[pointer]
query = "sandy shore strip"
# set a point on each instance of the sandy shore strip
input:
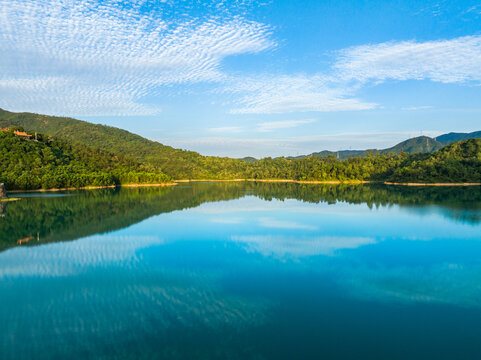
(331, 182)
(278, 181)
(93, 187)
(433, 184)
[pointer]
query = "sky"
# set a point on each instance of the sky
(248, 78)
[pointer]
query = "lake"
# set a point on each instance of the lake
(242, 271)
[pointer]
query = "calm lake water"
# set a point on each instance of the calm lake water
(242, 271)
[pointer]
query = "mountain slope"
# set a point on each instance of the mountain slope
(420, 144)
(452, 137)
(30, 164)
(457, 162)
(154, 156)
(341, 155)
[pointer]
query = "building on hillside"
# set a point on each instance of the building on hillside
(22, 134)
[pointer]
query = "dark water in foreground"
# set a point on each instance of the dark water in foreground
(242, 271)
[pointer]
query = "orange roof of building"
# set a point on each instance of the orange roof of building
(21, 133)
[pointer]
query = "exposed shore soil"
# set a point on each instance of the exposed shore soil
(93, 187)
(278, 181)
(334, 182)
(433, 184)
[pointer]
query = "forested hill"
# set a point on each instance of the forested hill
(179, 164)
(420, 144)
(458, 162)
(416, 145)
(447, 139)
(76, 153)
(29, 163)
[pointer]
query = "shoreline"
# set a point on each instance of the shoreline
(92, 187)
(183, 181)
(432, 184)
(280, 181)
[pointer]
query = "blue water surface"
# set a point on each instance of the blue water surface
(257, 276)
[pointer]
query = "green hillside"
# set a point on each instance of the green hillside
(453, 137)
(178, 164)
(420, 144)
(76, 153)
(458, 162)
(48, 163)
(249, 159)
(340, 155)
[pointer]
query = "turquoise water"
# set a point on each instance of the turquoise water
(242, 271)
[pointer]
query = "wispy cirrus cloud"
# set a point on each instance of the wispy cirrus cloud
(265, 126)
(92, 57)
(420, 107)
(456, 60)
(227, 129)
(285, 124)
(294, 93)
(296, 145)
(95, 58)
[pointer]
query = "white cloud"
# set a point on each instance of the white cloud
(227, 129)
(414, 108)
(97, 58)
(293, 93)
(108, 57)
(295, 145)
(275, 125)
(474, 9)
(449, 61)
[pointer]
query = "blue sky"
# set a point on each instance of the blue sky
(248, 78)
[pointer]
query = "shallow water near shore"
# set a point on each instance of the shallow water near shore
(242, 271)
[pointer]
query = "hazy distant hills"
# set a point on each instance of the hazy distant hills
(453, 137)
(248, 159)
(420, 144)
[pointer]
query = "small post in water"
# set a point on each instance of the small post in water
(3, 192)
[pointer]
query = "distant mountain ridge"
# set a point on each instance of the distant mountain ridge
(65, 152)
(453, 137)
(184, 163)
(416, 145)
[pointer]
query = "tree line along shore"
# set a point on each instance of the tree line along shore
(45, 152)
(47, 163)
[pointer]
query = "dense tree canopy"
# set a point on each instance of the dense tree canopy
(47, 163)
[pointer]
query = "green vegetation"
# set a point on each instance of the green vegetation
(76, 153)
(416, 145)
(458, 162)
(447, 139)
(420, 144)
(47, 163)
(178, 164)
